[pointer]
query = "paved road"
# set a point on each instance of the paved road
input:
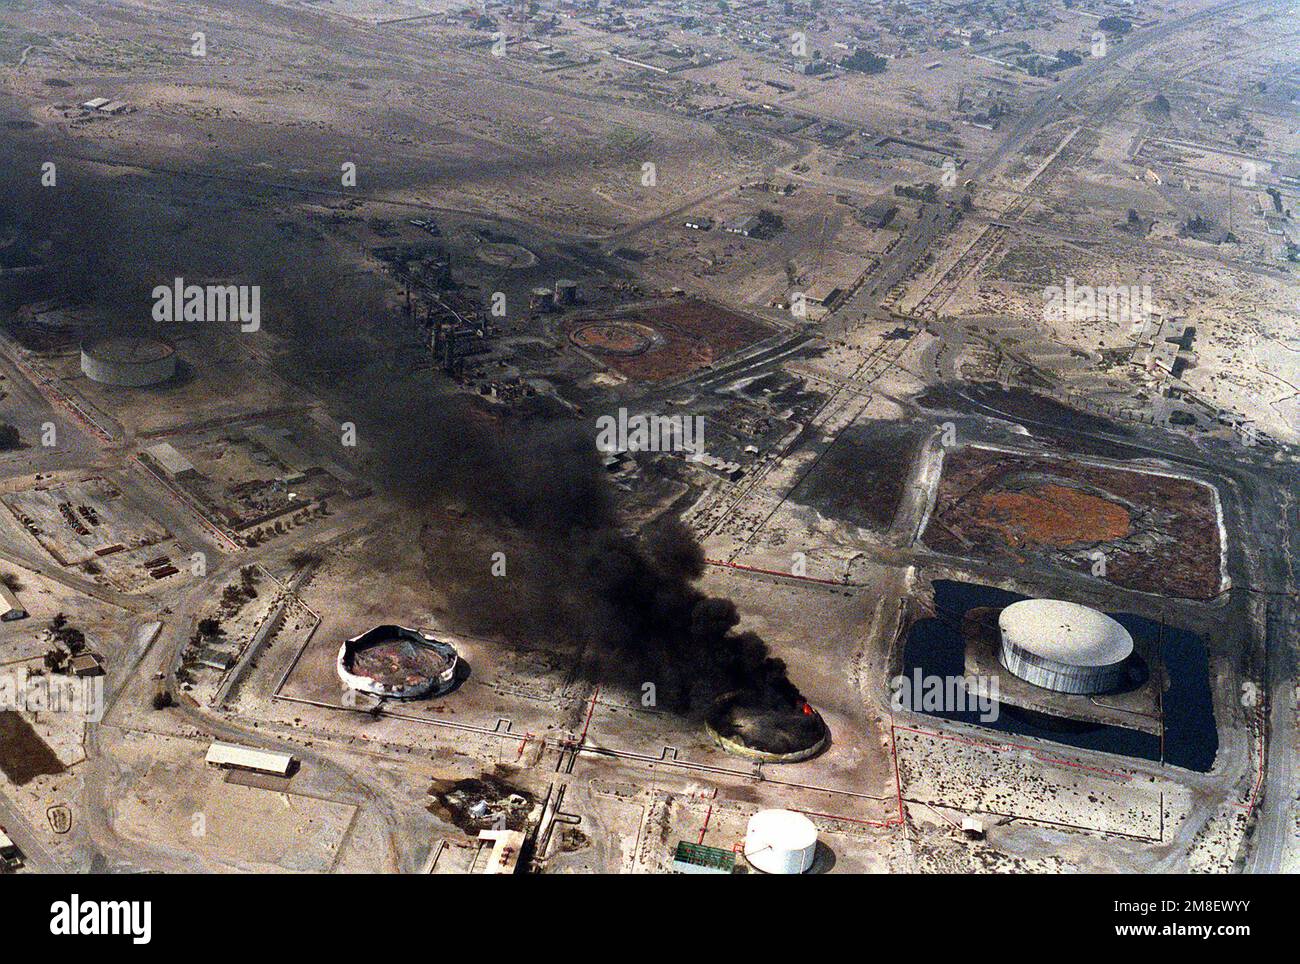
(1048, 104)
(1277, 798)
(39, 860)
(935, 219)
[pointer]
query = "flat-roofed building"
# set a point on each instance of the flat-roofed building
(691, 858)
(878, 214)
(86, 664)
(171, 461)
(10, 607)
(232, 756)
(744, 226)
(507, 845)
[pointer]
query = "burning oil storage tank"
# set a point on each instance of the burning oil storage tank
(780, 842)
(784, 729)
(1064, 647)
(130, 361)
(398, 663)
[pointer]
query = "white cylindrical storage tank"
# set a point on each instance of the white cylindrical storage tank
(128, 361)
(780, 842)
(1063, 646)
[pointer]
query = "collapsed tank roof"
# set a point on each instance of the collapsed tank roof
(395, 661)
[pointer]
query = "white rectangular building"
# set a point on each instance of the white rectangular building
(10, 607)
(507, 845)
(232, 756)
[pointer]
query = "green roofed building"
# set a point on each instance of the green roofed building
(692, 858)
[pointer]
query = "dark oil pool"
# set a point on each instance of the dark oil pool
(935, 646)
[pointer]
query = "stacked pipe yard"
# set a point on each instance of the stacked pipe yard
(780, 842)
(1064, 647)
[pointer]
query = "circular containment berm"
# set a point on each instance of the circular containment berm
(1064, 647)
(398, 663)
(760, 731)
(129, 361)
(780, 842)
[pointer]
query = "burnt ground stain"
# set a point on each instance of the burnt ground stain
(481, 803)
(861, 478)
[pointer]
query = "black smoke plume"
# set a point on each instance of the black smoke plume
(530, 483)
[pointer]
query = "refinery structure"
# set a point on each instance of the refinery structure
(774, 438)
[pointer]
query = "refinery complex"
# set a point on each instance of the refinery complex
(586, 437)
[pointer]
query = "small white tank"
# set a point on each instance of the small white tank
(780, 842)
